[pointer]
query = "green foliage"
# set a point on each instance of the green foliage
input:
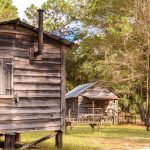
(56, 14)
(7, 10)
(115, 53)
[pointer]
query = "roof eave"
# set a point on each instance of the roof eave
(28, 26)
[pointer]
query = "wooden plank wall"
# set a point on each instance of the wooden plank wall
(85, 106)
(37, 85)
(73, 106)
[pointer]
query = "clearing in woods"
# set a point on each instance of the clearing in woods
(124, 137)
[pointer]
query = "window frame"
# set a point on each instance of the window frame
(6, 80)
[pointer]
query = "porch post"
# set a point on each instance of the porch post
(78, 107)
(79, 102)
(93, 108)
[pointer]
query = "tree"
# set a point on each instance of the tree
(114, 51)
(7, 10)
(122, 45)
(56, 15)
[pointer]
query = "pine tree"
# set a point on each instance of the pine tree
(7, 10)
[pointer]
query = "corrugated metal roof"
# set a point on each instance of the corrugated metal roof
(78, 90)
(99, 93)
(28, 26)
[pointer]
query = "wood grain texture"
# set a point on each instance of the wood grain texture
(63, 88)
(39, 85)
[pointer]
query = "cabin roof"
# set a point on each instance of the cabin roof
(30, 27)
(78, 90)
(100, 94)
(91, 91)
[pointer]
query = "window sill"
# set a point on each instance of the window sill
(6, 96)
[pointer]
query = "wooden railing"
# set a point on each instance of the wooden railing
(90, 119)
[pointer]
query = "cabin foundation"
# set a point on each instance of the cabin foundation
(10, 141)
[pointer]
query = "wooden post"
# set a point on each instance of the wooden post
(9, 141)
(69, 112)
(93, 109)
(59, 139)
(18, 137)
(79, 105)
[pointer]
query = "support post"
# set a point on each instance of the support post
(93, 107)
(78, 107)
(17, 137)
(58, 139)
(9, 141)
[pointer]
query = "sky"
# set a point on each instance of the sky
(23, 4)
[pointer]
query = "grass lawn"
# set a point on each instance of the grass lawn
(125, 137)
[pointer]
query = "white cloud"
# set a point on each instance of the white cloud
(23, 4)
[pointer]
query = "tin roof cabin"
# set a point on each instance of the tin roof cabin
(92, 100)
(32, 79)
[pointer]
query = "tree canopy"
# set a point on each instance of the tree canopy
(7, 10)
(56, 14)
(114, 51)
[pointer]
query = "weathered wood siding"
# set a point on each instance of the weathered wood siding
(85, 107)
(38, 85)
(72, 107)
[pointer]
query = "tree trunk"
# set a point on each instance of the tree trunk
(148, 85)
(141, 110)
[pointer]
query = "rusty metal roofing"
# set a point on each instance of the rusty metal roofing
(28, 26)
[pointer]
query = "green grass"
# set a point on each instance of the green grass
(109, 137)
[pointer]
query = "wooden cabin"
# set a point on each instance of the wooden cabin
(91, 100)
(32, 79)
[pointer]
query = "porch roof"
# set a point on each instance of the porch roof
(97, 93)
(78, 90)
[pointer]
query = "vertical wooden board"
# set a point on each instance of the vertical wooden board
(9, 141)
(63, 90)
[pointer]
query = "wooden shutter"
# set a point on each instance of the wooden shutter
(5, 76)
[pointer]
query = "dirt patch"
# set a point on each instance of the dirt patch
(125, 144)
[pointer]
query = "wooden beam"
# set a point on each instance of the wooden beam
(63, 88)
(26, 146)
(58, 139)
(9, 141)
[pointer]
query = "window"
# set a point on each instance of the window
(5, 76)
